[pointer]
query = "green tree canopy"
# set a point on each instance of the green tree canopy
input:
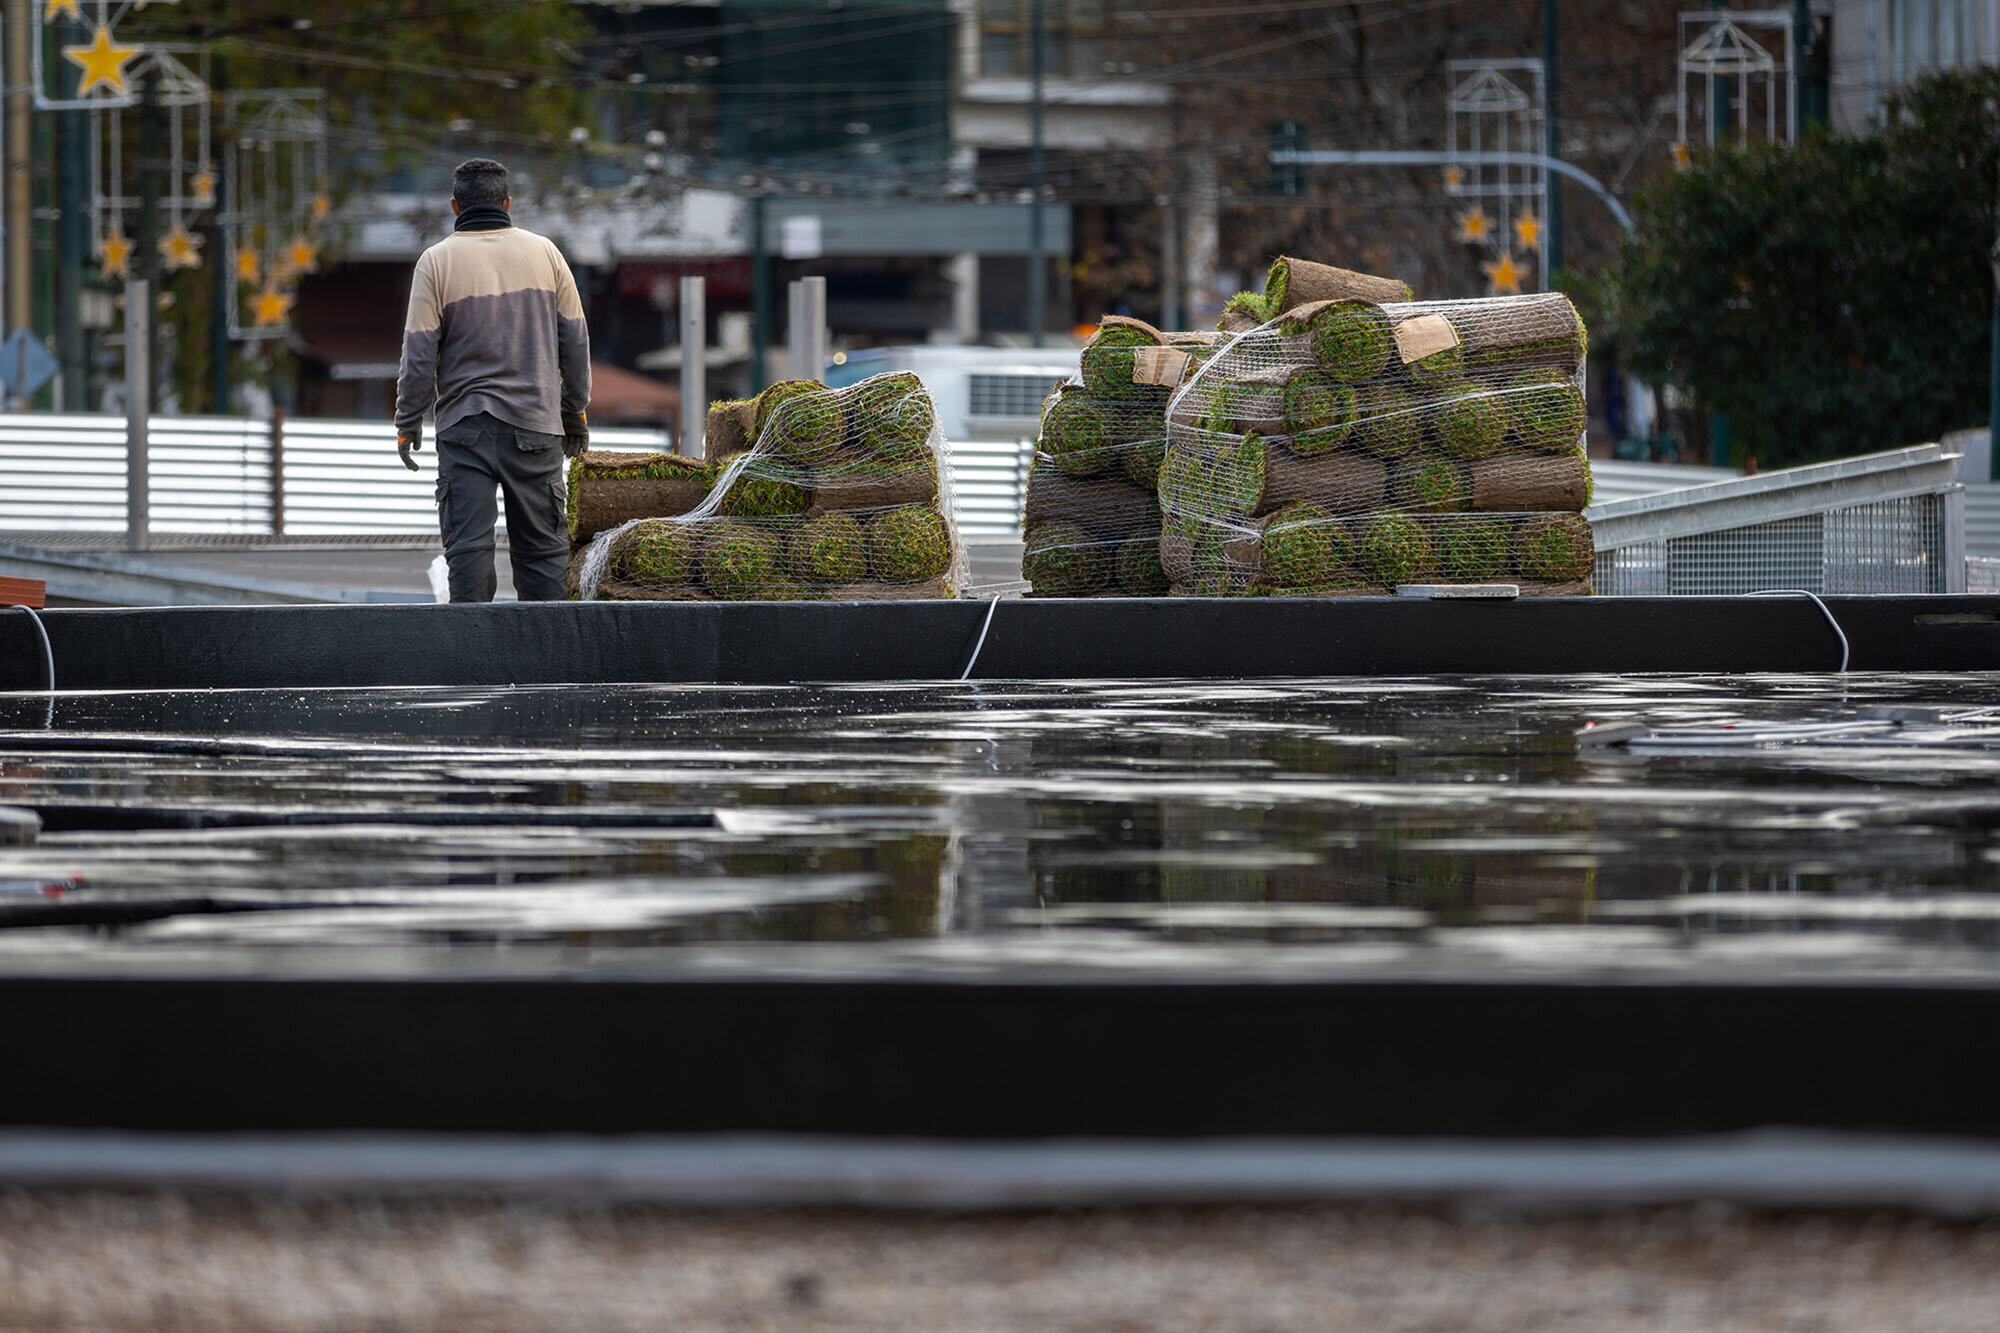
(1829, 299)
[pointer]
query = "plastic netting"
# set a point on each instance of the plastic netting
(807, 494)
(1091, 516)
(1347, 447)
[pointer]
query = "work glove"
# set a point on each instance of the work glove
(409, 443)
(576, 433)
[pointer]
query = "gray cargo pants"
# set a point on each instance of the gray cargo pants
(474, 456)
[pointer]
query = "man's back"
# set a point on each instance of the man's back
(495, 325)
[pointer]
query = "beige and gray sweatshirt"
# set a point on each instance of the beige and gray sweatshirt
(495, 325)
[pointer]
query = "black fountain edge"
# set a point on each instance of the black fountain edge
(751, 643)
(1000, 1060)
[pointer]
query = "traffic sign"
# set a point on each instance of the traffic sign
(25, 365)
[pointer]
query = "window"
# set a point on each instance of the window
(1074, 46)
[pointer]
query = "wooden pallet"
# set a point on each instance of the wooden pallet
(23, 592)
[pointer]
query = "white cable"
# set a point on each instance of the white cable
(1814, 598)
(48, 653)
(991, 606)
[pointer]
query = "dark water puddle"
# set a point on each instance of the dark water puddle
(999, 820)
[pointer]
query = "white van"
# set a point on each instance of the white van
(989, 405)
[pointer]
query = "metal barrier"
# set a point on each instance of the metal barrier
(1891, 522)
(990, 479)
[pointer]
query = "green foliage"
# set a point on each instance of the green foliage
(1061, 560)
(908, 544)
(763, 489)
(801, 420)
(1828, 299)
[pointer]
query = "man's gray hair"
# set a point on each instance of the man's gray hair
(479, 180)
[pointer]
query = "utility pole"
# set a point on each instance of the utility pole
(72, 244)
(221, 265)
(20, 310)
(760, 292)
(148, 247)
(1038, 275)
(1552, 224)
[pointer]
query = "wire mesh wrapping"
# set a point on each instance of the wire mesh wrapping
(833, 495)
(1091, 516)
(1348, 446)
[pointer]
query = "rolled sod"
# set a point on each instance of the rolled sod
(1107, 505)
(1530, 484)
(1064, 560)
(1388, 420)
(1393, 549)
(731, 428)
(931, 590)
(1566, 588)
(874, 483)
(739, 560)
(609, 489)
(1319, 412)
(1302, 546)
(1469, 421)
(1473, 550)
(763, 488)
(1138, 567)
(1243, 312)
(1351, 341)
(890, 416)
(1077, 434)
(1177, 558)
(1436, 371)
(657, 553)
(1554, 548)
(828, 549)
(1107, 358)
(1296, 282)
(1141, 460)
(801, 421)
(1541, 329)
(1257, 407)
(1341, 482)
(1430, 483)
(908, 544)
(1545, 411)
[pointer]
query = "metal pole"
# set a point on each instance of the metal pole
(1419, 157)
(1993, 380)
(277, 470)
(795, 331)
(1038, 276)
(1552, 229)
(221, 267)
(72, 255)
(148, 247)
(694, 365)
(760, 295)
(138, 404)
(813, 296)
(20, 169)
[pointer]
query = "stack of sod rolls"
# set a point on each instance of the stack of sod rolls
(1295, 282)
(1348, 446)
(835, 495)
(1091, 521)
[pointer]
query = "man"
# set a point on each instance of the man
(495, 340)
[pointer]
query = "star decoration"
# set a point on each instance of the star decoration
(1528, 232)
(270, 306)
(1474, 225)
(180, 249)
(116, 252)
(301, 256)
(1681, 155)
(203, 186)
(247, 265)
(321, 206)
(57, 8)
(1454, 179)
(1504, 274)
(101, 62)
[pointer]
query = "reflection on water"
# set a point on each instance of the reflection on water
(1271, 816)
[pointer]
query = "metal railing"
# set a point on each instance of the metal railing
(1891, 522)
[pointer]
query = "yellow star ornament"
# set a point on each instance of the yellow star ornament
(1474, 225)
(180, 249)
(101, 62)
(270, 306)
(321, 206)
(116, 252)
(248, 267)
(1454, 179)
(1681, 155)
(1504, 275)
(1528, 232)
(203, 186)
(301, 256)
(58, 8)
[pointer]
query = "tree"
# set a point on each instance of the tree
(1828, 299)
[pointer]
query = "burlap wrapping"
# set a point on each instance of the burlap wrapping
(1340, 482)
(1538, 329)
(730, 430)
(1297, 282)
(914, 486)
(615, 495)
(1522, 485)
(1105, 506)
(933, 590)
